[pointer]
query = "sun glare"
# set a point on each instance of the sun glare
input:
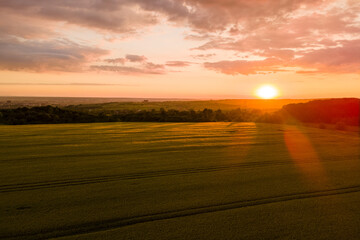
(267, 92)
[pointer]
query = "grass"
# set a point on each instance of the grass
(178, 180)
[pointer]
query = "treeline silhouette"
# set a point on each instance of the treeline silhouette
(50, 114)
(329, 111)
(172, 115)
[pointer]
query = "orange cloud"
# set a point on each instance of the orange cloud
(245, 67)
(178, 63)
(138, 65)
(313, 35)
(128, 70)
(43, 56)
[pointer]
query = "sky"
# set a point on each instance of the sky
(206, 49)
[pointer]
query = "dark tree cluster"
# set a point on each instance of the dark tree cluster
(206, 115)
(49, 114)
(37, 115)
(330, 111)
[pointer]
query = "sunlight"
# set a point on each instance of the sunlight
(267, 92)
(304, 155)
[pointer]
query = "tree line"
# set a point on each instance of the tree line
(330, 111)
(50, 114)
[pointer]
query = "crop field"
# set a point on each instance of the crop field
(178, 181)
(267, 105)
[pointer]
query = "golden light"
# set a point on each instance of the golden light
(267, 92)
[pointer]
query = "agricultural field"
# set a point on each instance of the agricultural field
(267, 105)
(178, 181)
(114, 104)
(15, 102)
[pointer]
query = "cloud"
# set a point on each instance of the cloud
(154, 66)
(128, 58)
(131, 65)
(245, 67)
(127, 70)
(115, 60)
(42, 56)
(313, 30)
(63, 84)
(135, 58)
(204, 56)
(308, 34)
(115, 15)
(178, 63)
(342, 59)
(324, 40)
(242, 15)
(136, 65)
(24, 27)
(129, 15)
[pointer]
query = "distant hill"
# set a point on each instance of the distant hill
(330, 111)
(229, 104)
(15, 102)
(110, 104)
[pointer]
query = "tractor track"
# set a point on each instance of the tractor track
(143, 175)
(98, 226)
(214, 145)
(133, 176)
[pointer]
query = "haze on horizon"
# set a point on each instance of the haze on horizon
(179, 48)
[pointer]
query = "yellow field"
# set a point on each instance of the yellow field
(178, 181)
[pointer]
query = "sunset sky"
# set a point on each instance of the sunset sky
(179, 48)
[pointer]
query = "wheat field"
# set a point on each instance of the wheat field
(178, 181)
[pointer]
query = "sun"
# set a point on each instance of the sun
(267, 92)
